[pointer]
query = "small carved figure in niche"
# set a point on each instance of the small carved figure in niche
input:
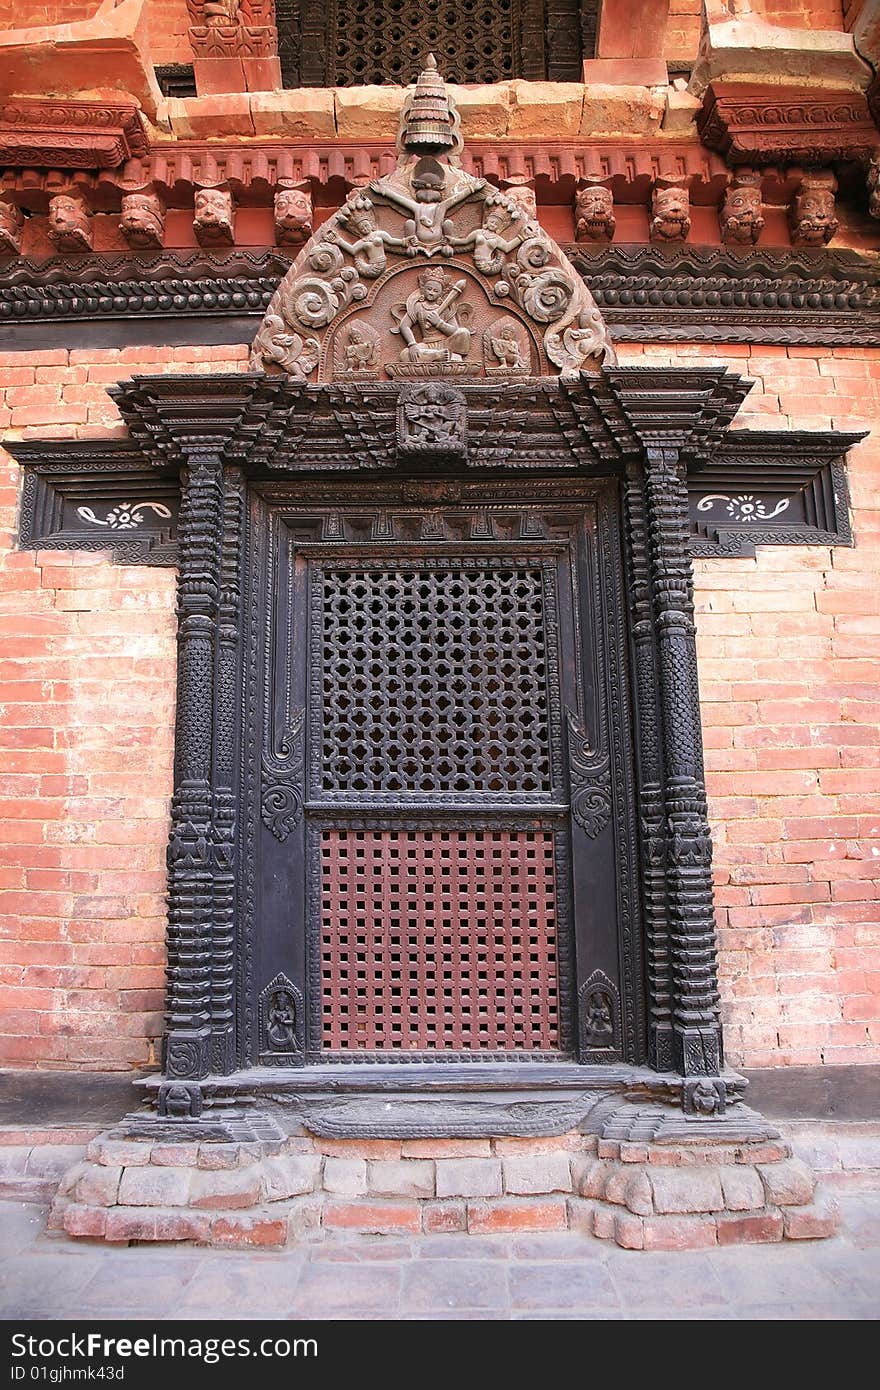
(490, 246)
(429, 227)
(811, 215)
(599, 1020)
(368, 250)
(524, 196)
(293, 214)
(874, 188)
(432, 419)
(143, 220)
(671, 220)
(704, 1098)
(740, 218)
(281, 1020)
(11, 224)
(505, 349)
(356, 351)
(213, 222)
(70, 227)
(431, 312)
(594, 214)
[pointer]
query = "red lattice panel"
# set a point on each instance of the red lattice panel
(438, 940)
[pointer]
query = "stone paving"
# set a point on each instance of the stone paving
(47, 1276)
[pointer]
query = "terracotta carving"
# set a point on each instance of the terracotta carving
(431, 323)
(523, 195)
(874, 187)
(214, 220)
(11, 225)
(671, 220)
(430, 252)
(505, 350)
(293, 215)
(70, 227)
(811, 215)
(143, 220)
(594, 214)
(357, 352)
(740, 217)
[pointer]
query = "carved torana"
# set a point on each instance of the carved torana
(214, 220)
(670, 213)
(811, 215)
(741, 218)
(594, 213)
(142, 221)
(69, 227)
(434, 256)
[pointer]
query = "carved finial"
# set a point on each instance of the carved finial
(429, 121)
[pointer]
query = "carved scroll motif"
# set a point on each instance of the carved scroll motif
(281, 803)
(590, 779)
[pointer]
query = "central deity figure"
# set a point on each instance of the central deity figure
(431, 312)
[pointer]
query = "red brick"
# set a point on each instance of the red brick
(679, 1232)
(378, 1218)
(517, 1214)
(444, 1216)
(262, 1231)
(816, 1221)
(735, 1228)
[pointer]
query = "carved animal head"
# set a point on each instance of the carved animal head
(143, 219)
(428, 180)
(213, 209)
(813, 222)
(594, 214)
(11, 223)
(671, 208)
(741, 218)
(524, 197)
(293, 214)
(69, 227)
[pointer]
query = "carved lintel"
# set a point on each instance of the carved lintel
(757, 123)
(59, 133)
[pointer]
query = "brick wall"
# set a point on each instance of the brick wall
(790, 706)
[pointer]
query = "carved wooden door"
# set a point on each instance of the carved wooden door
(440, 856)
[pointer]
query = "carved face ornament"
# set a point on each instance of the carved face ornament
(212, 207)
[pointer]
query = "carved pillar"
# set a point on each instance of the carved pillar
(696, 1032)
(650, 777)
(197, 845)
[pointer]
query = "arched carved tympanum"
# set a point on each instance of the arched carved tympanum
(430, 272)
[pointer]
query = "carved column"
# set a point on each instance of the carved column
(650, 776)
(196, 844)
(696, 1032)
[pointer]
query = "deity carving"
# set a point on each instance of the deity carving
(431, 419)
(598, 1023)
(356, 352)
(671, 219)
(594, 214)
(505, 350)
(281, 1021)
(368, 249)
(70, 227)
(811, 215)
(293, 215)
(490, 246)
(143, 220)
(214, 218)
(430, 250)
(432, 324)
(11, 224)
(741, 219)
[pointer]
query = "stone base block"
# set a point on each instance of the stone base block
(647, 1182)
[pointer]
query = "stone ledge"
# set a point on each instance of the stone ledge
(680, 1191)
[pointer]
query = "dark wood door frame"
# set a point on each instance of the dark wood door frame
(640, 428)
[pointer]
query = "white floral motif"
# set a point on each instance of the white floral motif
(744, 507)
(124, 517)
